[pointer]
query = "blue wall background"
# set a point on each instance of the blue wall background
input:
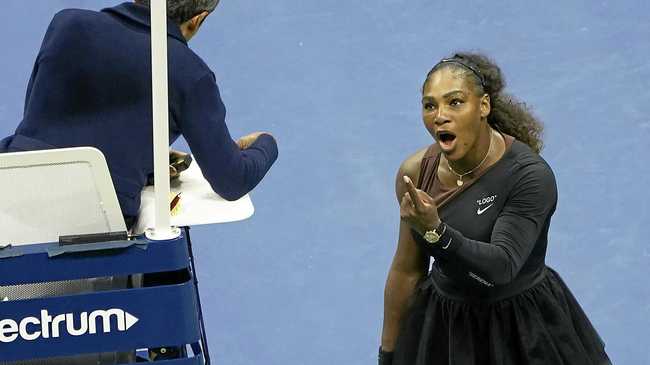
(338, 85)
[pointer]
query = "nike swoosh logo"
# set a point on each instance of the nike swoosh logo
(480, 211)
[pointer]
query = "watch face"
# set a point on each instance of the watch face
(431, 236)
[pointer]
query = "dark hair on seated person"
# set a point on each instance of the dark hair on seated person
(181, 11)
(507, 115)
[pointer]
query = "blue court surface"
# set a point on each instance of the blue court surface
(338, 84)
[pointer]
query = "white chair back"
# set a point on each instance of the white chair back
(51, 193)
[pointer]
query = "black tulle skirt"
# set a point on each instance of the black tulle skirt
(543, 324)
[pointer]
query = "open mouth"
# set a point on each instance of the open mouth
(445, 138)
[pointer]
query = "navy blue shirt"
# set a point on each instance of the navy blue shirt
(91, 86)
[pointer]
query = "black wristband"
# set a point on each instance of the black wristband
(385, 358)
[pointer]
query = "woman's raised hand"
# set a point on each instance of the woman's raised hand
(418, 209)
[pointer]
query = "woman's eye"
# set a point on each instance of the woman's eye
(455, 102)
(429, 106)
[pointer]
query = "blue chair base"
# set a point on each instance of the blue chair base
(120, 320)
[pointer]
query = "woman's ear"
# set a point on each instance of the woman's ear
(486, 106)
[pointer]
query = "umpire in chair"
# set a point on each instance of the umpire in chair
(91, 86)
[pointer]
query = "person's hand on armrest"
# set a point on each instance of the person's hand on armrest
(178, 162)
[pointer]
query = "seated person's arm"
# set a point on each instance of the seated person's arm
(231, 171)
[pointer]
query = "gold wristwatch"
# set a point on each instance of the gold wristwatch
(433, 236)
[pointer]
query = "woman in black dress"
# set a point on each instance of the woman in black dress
(479, 202)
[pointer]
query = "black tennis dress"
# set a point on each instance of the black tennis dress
(489, 297)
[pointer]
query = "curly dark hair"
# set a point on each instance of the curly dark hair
(508, 115)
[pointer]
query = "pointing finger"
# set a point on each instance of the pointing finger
(413, 193)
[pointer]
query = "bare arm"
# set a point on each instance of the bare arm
(409, 264)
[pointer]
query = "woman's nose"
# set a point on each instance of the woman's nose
(440, 117)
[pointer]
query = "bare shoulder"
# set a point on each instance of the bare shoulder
(410, 167)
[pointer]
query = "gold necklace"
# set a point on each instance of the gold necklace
(459, 181)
